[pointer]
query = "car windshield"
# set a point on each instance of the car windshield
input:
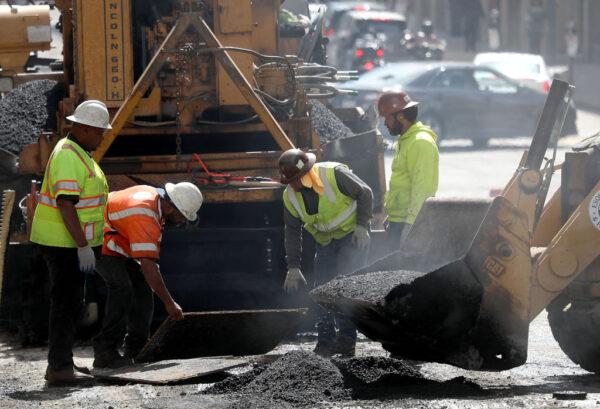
(392, 29)
(514, 68)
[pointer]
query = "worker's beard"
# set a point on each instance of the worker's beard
(397, 129)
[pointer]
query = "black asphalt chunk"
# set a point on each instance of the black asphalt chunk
(26, 111)
(372, 371)
(326, 124)
(298, 377)
(370, 287)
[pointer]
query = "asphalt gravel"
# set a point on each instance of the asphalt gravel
(26, 111)
(326, 124)
(369, 287)
(377, 370)
(298, 377)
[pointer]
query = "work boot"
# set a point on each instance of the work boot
(67, 376)
(325, 337)
(132, 351)
(110, 359)
(345, 346)
(324, 348)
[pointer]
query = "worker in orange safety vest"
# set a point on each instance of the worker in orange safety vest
(134, 221)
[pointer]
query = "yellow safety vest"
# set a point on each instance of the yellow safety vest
(336, 215)
(70, 171)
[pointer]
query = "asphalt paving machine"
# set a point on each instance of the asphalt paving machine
(471, 275)
(200, 91)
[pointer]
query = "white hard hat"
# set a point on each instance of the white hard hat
(186, 197)
(91, 113)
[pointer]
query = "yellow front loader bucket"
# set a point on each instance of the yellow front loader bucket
(458, 290)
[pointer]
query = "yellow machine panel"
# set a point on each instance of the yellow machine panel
(233, 26)
(104, 64)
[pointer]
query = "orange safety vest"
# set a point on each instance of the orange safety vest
(133, 223)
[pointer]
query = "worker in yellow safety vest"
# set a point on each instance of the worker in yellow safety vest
(68, 229)
(335, 207)
(414, 168)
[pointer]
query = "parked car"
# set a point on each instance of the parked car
(528, 69)
(458, 100)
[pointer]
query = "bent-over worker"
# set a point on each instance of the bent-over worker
(67, 226)
(134, 221)
(335, 207)
(414, 168)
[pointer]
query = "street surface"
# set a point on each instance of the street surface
(464, 171)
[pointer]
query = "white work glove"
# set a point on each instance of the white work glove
(361, 238)
(87, 259)
(292, 279)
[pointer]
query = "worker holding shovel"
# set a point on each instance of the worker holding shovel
(335, 207)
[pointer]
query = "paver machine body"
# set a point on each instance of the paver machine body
(198, 92)
(471, 275)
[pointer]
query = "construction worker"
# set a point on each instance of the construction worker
(335, 207)
(134, 221)
(414, 168)
(67, 226)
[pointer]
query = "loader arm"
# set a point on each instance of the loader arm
(573, 248)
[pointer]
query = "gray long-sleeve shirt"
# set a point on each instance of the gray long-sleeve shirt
(349, 185)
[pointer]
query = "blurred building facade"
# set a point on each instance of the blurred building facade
(520, 21)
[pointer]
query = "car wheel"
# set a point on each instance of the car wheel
(434, 121)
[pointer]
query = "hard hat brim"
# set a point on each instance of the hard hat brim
(311, 162)
(73, 118)
(409, 105)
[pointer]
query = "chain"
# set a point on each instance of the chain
(178, 98)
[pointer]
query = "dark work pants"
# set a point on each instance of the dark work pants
(337, 258)
(66, 302)
(129, 306)
(393, 234)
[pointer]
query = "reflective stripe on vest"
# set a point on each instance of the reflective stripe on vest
(70, 185)
(72, 149)
(88, 229)
(143, 247)
(335, 223)
(84, 202)
(133, 211)
(114, 247)
(326, 185)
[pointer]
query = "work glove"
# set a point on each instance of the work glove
(292, 279)
(87, 259)
(361, 238)
(174, 310)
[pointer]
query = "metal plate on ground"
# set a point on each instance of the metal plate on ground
(166, 372)
(220, 333)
